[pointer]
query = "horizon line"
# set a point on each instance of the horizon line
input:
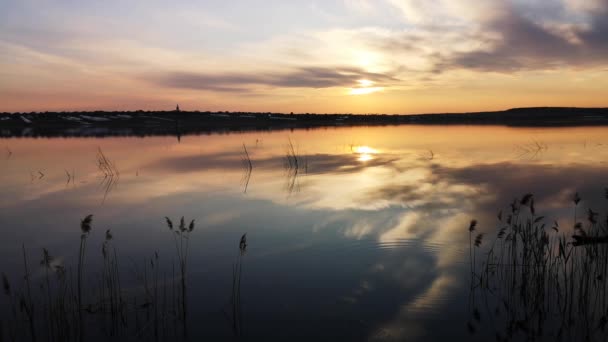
(294, 113)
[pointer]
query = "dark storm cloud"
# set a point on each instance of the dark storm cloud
(304, 77)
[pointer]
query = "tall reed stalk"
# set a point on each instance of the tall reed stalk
(28, 303)
(181, 238)
(547, 284)
(235, 299)
(85, 228)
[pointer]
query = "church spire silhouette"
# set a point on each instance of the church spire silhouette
(177, 108)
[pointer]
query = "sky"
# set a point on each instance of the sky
(322, 56)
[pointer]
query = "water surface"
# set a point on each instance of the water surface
(366, 238)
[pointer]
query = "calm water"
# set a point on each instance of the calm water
(365, 239)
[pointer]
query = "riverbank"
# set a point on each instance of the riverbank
(144, 123)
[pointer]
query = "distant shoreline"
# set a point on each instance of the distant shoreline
(147, 123)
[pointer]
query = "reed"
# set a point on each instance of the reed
(235, 299)
(472, 226)
(246, 158)
(28, 303)
(70, 177)
(111, 299)
(181, 238)
(6, 287)
(547, 284)
(105, 165)
(292, 157)
(46, 262)
(531, 149)
(85, 228)
(247, 168)
(69, 302)
(110, 173)
(295, 165)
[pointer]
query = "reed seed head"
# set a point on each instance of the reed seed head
(501, 232)
(592, 216)
(85, 224)
(182, 225)
(472, 225)
(60, 271)
(532, 209)
(47, 259)
(477, 315)
(526, 199)
(478, 239)
(6, 285)
(470, 327)
(514, 206)
(576, 199)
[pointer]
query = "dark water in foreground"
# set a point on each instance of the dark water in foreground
(352, 233)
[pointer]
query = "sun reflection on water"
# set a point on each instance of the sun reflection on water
(365, 153)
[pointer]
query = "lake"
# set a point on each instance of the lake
(352, 233)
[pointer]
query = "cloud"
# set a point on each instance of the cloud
(301, 77)
(551, 186)
(443, 36)
(362, 6)
(444, 12)
(414, 50)
(527, 44)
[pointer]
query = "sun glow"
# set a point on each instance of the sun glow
(365, 87)
(364, 91)
(364, 149)
(365, 157)
(365, 83)
(365, 153)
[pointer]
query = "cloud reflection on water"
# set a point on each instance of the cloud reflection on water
(396, 222)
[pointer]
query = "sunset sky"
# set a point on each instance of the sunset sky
(357, 56)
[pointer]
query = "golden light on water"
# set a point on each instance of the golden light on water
(365, 153)
(365, 157)
(364, 149)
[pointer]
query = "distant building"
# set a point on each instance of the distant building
(177, 108)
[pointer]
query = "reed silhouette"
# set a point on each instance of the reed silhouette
(110, 173)
(247, 166)
(236, 315)
(85, 227)
(71, 303)
(181, 237)
(537, 284)
(531, 150)
(295, 165)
